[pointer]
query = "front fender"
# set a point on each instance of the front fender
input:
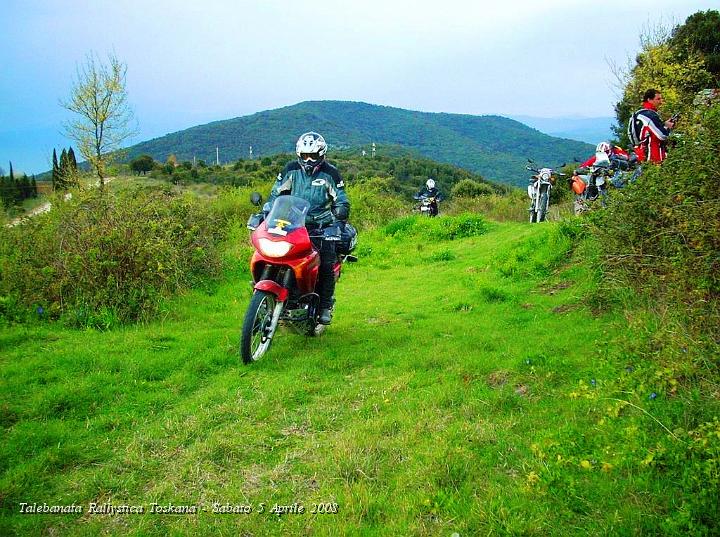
(272, 287)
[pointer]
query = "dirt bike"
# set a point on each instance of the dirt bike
(541, 184)
(428, 206)
(606, 171)
(285, 269)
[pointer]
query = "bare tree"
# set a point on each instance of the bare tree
(99, 97)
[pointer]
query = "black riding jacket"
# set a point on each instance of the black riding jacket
(324, 189)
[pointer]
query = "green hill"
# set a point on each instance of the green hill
(493, 146)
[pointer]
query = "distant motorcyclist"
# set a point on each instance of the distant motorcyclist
(430, 192)
(312, 178)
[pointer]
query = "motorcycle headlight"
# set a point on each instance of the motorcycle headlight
(545, 176)
(273, 248)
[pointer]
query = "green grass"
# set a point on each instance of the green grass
(464, 386)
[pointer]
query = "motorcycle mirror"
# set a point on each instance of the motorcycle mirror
(256, 199)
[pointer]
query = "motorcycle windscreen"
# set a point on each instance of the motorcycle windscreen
(287, 214)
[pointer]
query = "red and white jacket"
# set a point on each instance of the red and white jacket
(653, 135)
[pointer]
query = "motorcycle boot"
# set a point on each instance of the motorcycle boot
(325, 316)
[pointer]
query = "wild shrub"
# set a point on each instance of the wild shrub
(442, 256)
(100, 259)
(660, 238)
(661, 235)
(467, 188)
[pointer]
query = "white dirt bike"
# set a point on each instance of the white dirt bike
(539, 189)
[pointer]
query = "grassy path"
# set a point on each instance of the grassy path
(449, 395)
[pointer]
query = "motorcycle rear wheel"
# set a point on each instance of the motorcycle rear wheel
(257, 329)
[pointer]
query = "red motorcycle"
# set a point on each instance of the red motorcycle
(285, 268)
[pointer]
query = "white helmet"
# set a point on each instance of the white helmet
(311, 142)
(430, 184)
(604, 147)
(310, 149)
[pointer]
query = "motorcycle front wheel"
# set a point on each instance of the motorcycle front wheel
(544, 202)
(533, 214)
(257, 328)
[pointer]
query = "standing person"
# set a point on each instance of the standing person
(312, 178)
(649, 130)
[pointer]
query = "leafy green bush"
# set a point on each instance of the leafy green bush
(661, 235)
(467, 188)
(99, 259)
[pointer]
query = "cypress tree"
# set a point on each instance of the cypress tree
(71, 178)
(15, 194)
(71, 159)
(63, 171)
(25, 188)
(55, 170)
(34, 187)
(4, 192)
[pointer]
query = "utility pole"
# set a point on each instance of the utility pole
(217, 156)
(373, 150)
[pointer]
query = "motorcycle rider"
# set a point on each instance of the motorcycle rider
(314, 179)
(430, 191)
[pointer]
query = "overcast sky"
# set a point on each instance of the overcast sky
(194, 62)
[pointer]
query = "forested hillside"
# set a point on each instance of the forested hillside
(494, 146)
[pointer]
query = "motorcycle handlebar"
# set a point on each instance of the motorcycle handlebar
(330, 233)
